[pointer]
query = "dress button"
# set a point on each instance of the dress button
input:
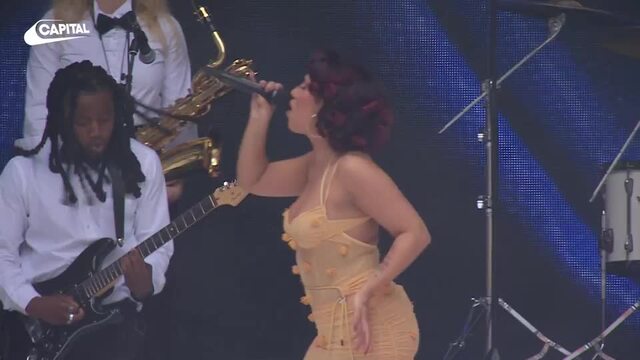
(331, 272)
(321, 342)
(413, 336)
(306, 266)
(305, 300)
(344, 250)
(387, 289)
(295, 270)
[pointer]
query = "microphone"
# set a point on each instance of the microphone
(243, 85)
(146, 55)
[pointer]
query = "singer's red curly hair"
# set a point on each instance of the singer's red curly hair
(356, 115)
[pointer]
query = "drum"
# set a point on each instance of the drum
(621, 235)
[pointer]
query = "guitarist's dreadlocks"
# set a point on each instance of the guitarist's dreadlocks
(67, 84)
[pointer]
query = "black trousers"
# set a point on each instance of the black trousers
(122, 340)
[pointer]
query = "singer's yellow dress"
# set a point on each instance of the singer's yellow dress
(333, 266)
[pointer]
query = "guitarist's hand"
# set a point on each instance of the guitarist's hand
(55, 309)
(137, 275)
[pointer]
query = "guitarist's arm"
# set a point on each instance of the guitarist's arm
(152, 215)
(16, 292)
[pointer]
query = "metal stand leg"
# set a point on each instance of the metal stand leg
(547, 342)
(480, 309)
(477, 311)
(599, 339)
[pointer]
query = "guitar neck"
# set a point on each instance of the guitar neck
(105, 277)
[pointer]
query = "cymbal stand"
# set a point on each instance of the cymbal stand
(555, 25)
(485, 307)
(605, 246)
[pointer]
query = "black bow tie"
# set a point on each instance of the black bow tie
(106, 23)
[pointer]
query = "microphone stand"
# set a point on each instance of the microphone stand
(130, 105)
(132, 51)
(486, 306)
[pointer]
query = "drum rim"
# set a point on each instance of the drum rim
(623, 165)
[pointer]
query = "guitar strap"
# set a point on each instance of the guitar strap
(117, 185)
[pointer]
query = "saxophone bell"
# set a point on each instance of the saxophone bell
(195, 155)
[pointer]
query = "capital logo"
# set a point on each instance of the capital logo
(48, 31)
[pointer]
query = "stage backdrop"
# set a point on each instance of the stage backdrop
(562, 117)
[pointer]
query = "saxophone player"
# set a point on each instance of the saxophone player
(157, 84)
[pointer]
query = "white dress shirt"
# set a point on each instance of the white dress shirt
(158, 84)
(40, 236)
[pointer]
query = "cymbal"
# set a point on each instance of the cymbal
(624, 40)
(555, 7)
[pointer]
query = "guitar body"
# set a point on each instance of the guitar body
(50, 342)
(84, 266)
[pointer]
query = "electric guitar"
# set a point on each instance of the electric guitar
(86, 282)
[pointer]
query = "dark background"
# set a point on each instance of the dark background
(562, 117)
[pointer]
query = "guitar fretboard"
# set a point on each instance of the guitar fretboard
(105, 277)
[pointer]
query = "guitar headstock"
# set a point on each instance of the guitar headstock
(229, 194)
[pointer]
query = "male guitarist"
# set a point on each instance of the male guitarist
(57, 199)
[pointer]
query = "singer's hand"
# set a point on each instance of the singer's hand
(260, 107)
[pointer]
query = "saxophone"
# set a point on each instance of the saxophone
(202, 152)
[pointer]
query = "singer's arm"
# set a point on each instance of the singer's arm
(255, 173)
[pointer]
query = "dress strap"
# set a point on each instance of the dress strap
(325, 185)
